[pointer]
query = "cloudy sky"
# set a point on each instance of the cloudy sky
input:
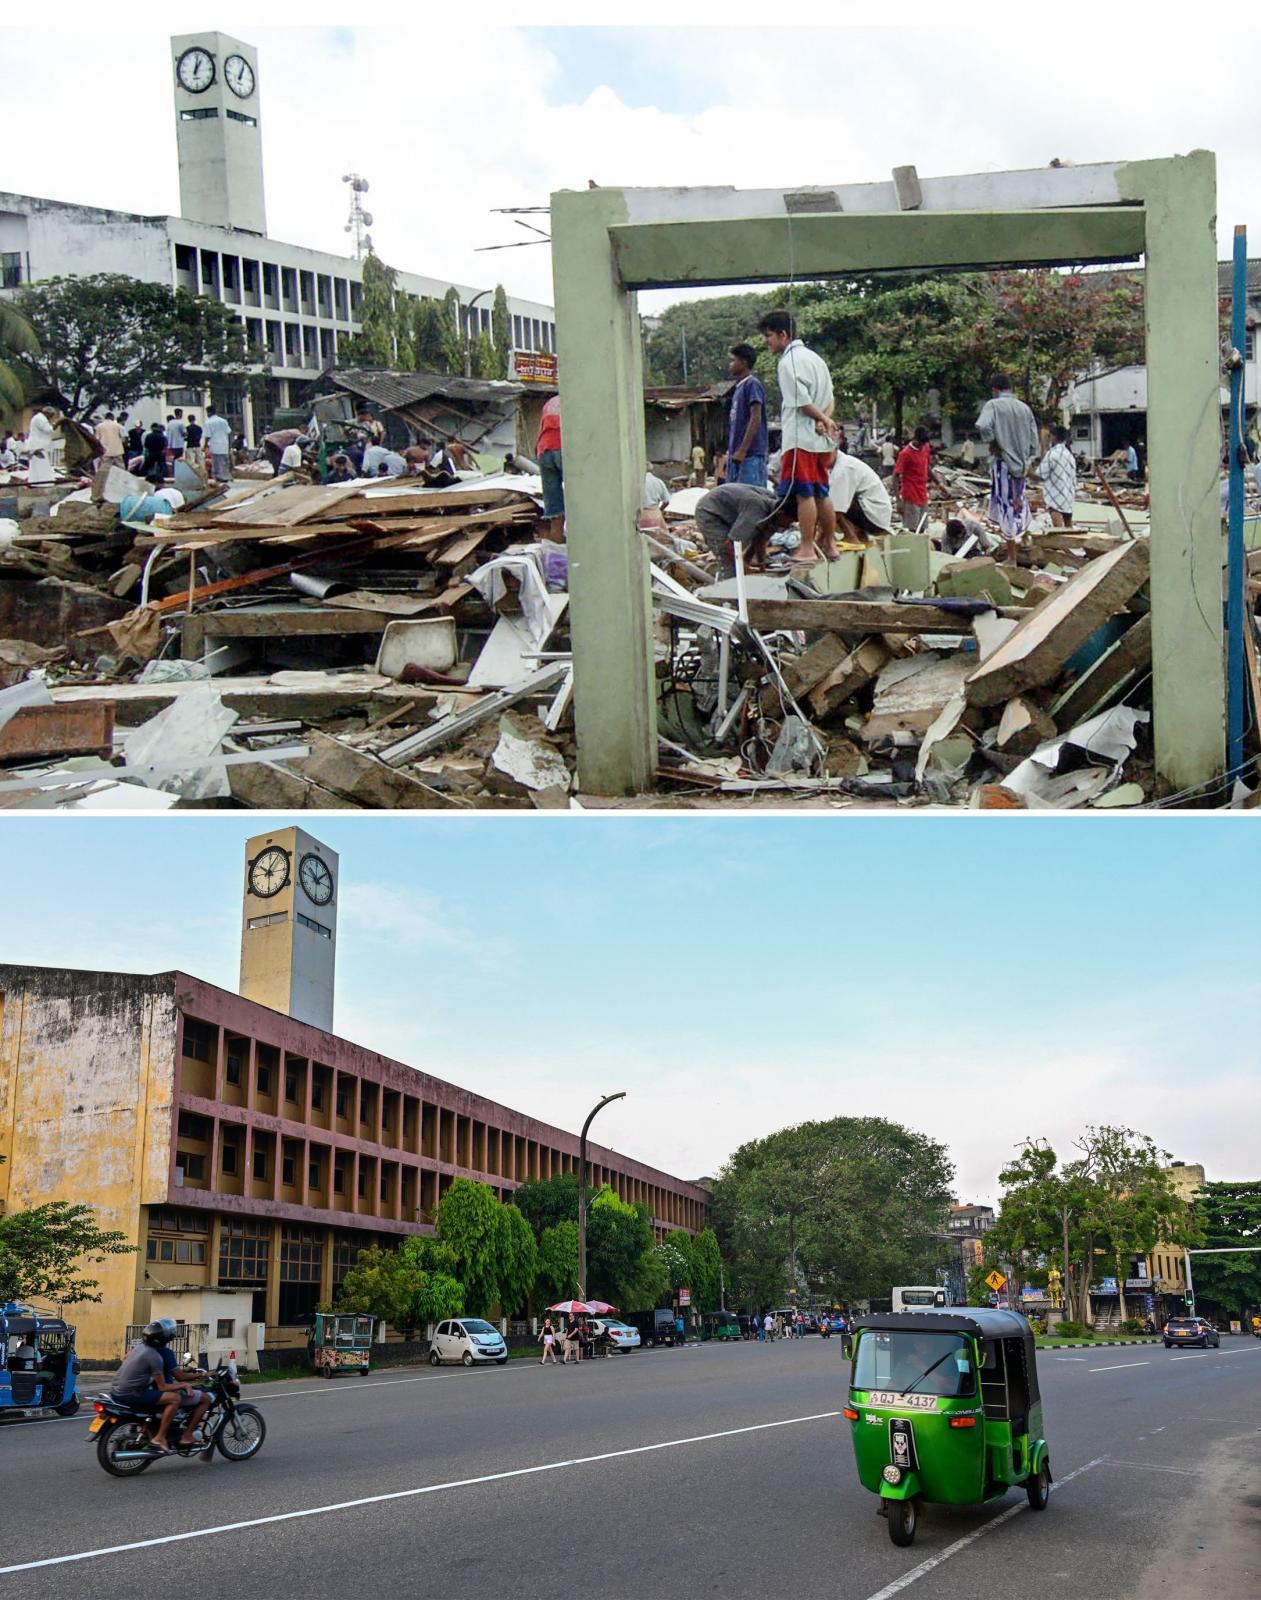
(449, 119)
(981, 979)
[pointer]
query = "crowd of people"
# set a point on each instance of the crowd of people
(577, 1337)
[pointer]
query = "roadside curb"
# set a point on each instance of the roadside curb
(1101, 1344)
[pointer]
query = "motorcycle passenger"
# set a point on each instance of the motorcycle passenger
(148, 1378)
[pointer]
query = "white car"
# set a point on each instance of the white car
(467, 1339)
(622, 1334)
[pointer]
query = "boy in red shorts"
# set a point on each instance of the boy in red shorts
(809, 435)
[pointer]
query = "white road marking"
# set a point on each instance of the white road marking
(1116, 1366)
(1195, 1355)
(411, 1494)
(1071, 1358)
(1152, 1466)
(925, 1567)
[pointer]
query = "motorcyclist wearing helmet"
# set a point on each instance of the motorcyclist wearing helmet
(150, 1376)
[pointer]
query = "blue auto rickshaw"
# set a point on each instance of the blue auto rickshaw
(39, 1369)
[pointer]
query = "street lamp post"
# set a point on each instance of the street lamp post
(582, 1191)
(468, 338)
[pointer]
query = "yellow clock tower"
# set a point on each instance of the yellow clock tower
(289, 925)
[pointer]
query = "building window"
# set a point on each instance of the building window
(200, 114)
(260, 1165)
(339, 1179)
(262, 1079)
(268, 921)
(191, 1126)
(361, 1183)
(190, 1166)
(243, 1250)
(229, 1158)
(341, 1101)
(291, 1087)
(288, 1172)
(1249, 347)
(315, 927)
(225, 1328)
(199, 1039)
(301, 1252)
(239, 116)
(317, 1096)
(166, 1250)
(313, 1174)
(345, 1256)
(385, 1185)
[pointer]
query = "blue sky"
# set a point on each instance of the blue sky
(980, 979)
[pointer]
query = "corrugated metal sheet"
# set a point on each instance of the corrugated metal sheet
(394, 390)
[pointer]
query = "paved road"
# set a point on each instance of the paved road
(725, 1469)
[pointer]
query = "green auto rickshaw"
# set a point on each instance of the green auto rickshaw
(340, 1341)
(720, 1325)
(944, 1406)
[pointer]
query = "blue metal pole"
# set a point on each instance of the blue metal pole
(1237, 456)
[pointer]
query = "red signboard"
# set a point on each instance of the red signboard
(685, 1297)
(534, 366)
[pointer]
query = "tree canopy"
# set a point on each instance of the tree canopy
(1089, 1214)
(1229, 1214)
(17, 337)
(107, 339)
(496, 1257)
(841, 1209)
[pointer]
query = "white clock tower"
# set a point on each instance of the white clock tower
(289, 925)
(218, 136)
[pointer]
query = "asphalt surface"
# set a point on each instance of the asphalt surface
(720, 1469)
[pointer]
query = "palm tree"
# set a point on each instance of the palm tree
(17, 337)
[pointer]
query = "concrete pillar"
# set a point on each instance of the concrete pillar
(601, 393)
(1183, 421)
(273, 1277)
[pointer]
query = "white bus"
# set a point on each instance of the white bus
(918, 1296)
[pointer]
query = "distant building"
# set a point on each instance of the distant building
(297, 304)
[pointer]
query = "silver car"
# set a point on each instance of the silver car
(624, 1337)
(468, 1340)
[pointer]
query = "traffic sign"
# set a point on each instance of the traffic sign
(996, 1280)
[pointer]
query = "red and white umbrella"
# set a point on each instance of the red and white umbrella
(582, 1308)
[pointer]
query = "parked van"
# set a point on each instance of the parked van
(655, 1327)
(919, 1297)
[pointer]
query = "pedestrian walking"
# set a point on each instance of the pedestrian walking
(110, 438)
(757, 1329)
(547, 1338)
(1010, 430)
(1058, 472)
(573, 1342)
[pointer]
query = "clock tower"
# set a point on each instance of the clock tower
(217, 131)
(289, 925)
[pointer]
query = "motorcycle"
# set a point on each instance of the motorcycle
(124, 1432)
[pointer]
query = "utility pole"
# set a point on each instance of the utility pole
(468, 337)
(683, 338)
(582, 1191)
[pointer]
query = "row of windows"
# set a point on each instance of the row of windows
(529, 333)
(239, 280)
(187, 1252)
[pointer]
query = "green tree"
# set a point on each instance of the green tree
(44, 1252)
(106, 340)
(621, 1267)
(452, 333)
(483, 357)
(429, 335)
(675, 1255)
(707, 1270)
(836, 1210)
(376, 343)
(546, 1201)
(1229, 1214)
(709, 328)
(468, 1222)
(17, 338)
(396, 1286)
(501, 332)
(557, 1277)
(518, 1260)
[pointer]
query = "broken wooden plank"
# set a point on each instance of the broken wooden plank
(274, 622)
(1107, 678)
(454, 727)
(459, 549)
(36, 731)
(862, 616)
(365, 780)
(1036, 651)
(284, 511)
(803, 672)
(916, 698)
(1023, 727)
(858, 668)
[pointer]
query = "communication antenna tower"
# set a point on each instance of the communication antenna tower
(359, 220)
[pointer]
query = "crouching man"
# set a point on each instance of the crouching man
(744, 514)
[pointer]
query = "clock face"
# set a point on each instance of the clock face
(239, 76)
(269, 871)
(316, 879)
(195, 70)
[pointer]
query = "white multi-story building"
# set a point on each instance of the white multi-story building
(295, 303)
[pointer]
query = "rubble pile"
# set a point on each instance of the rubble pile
(382, 644)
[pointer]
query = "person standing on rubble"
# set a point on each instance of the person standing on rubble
(154, 464)
(219, 444)
(1058, 472)
(911, 473)
(699, 459)
(176, 435)
(110, 438)
(806, 401)
(552, 471)
(747, 445)
(193, 454)
(1011, 430)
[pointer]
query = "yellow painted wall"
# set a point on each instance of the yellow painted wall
(86, 1092)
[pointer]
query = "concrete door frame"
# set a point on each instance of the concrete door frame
(609, 243)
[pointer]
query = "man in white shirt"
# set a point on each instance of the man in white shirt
(219, 446)
(175, 434)
(291, 457)
(656, 496)
(809, 434)
(110, 438)
(863, 506)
